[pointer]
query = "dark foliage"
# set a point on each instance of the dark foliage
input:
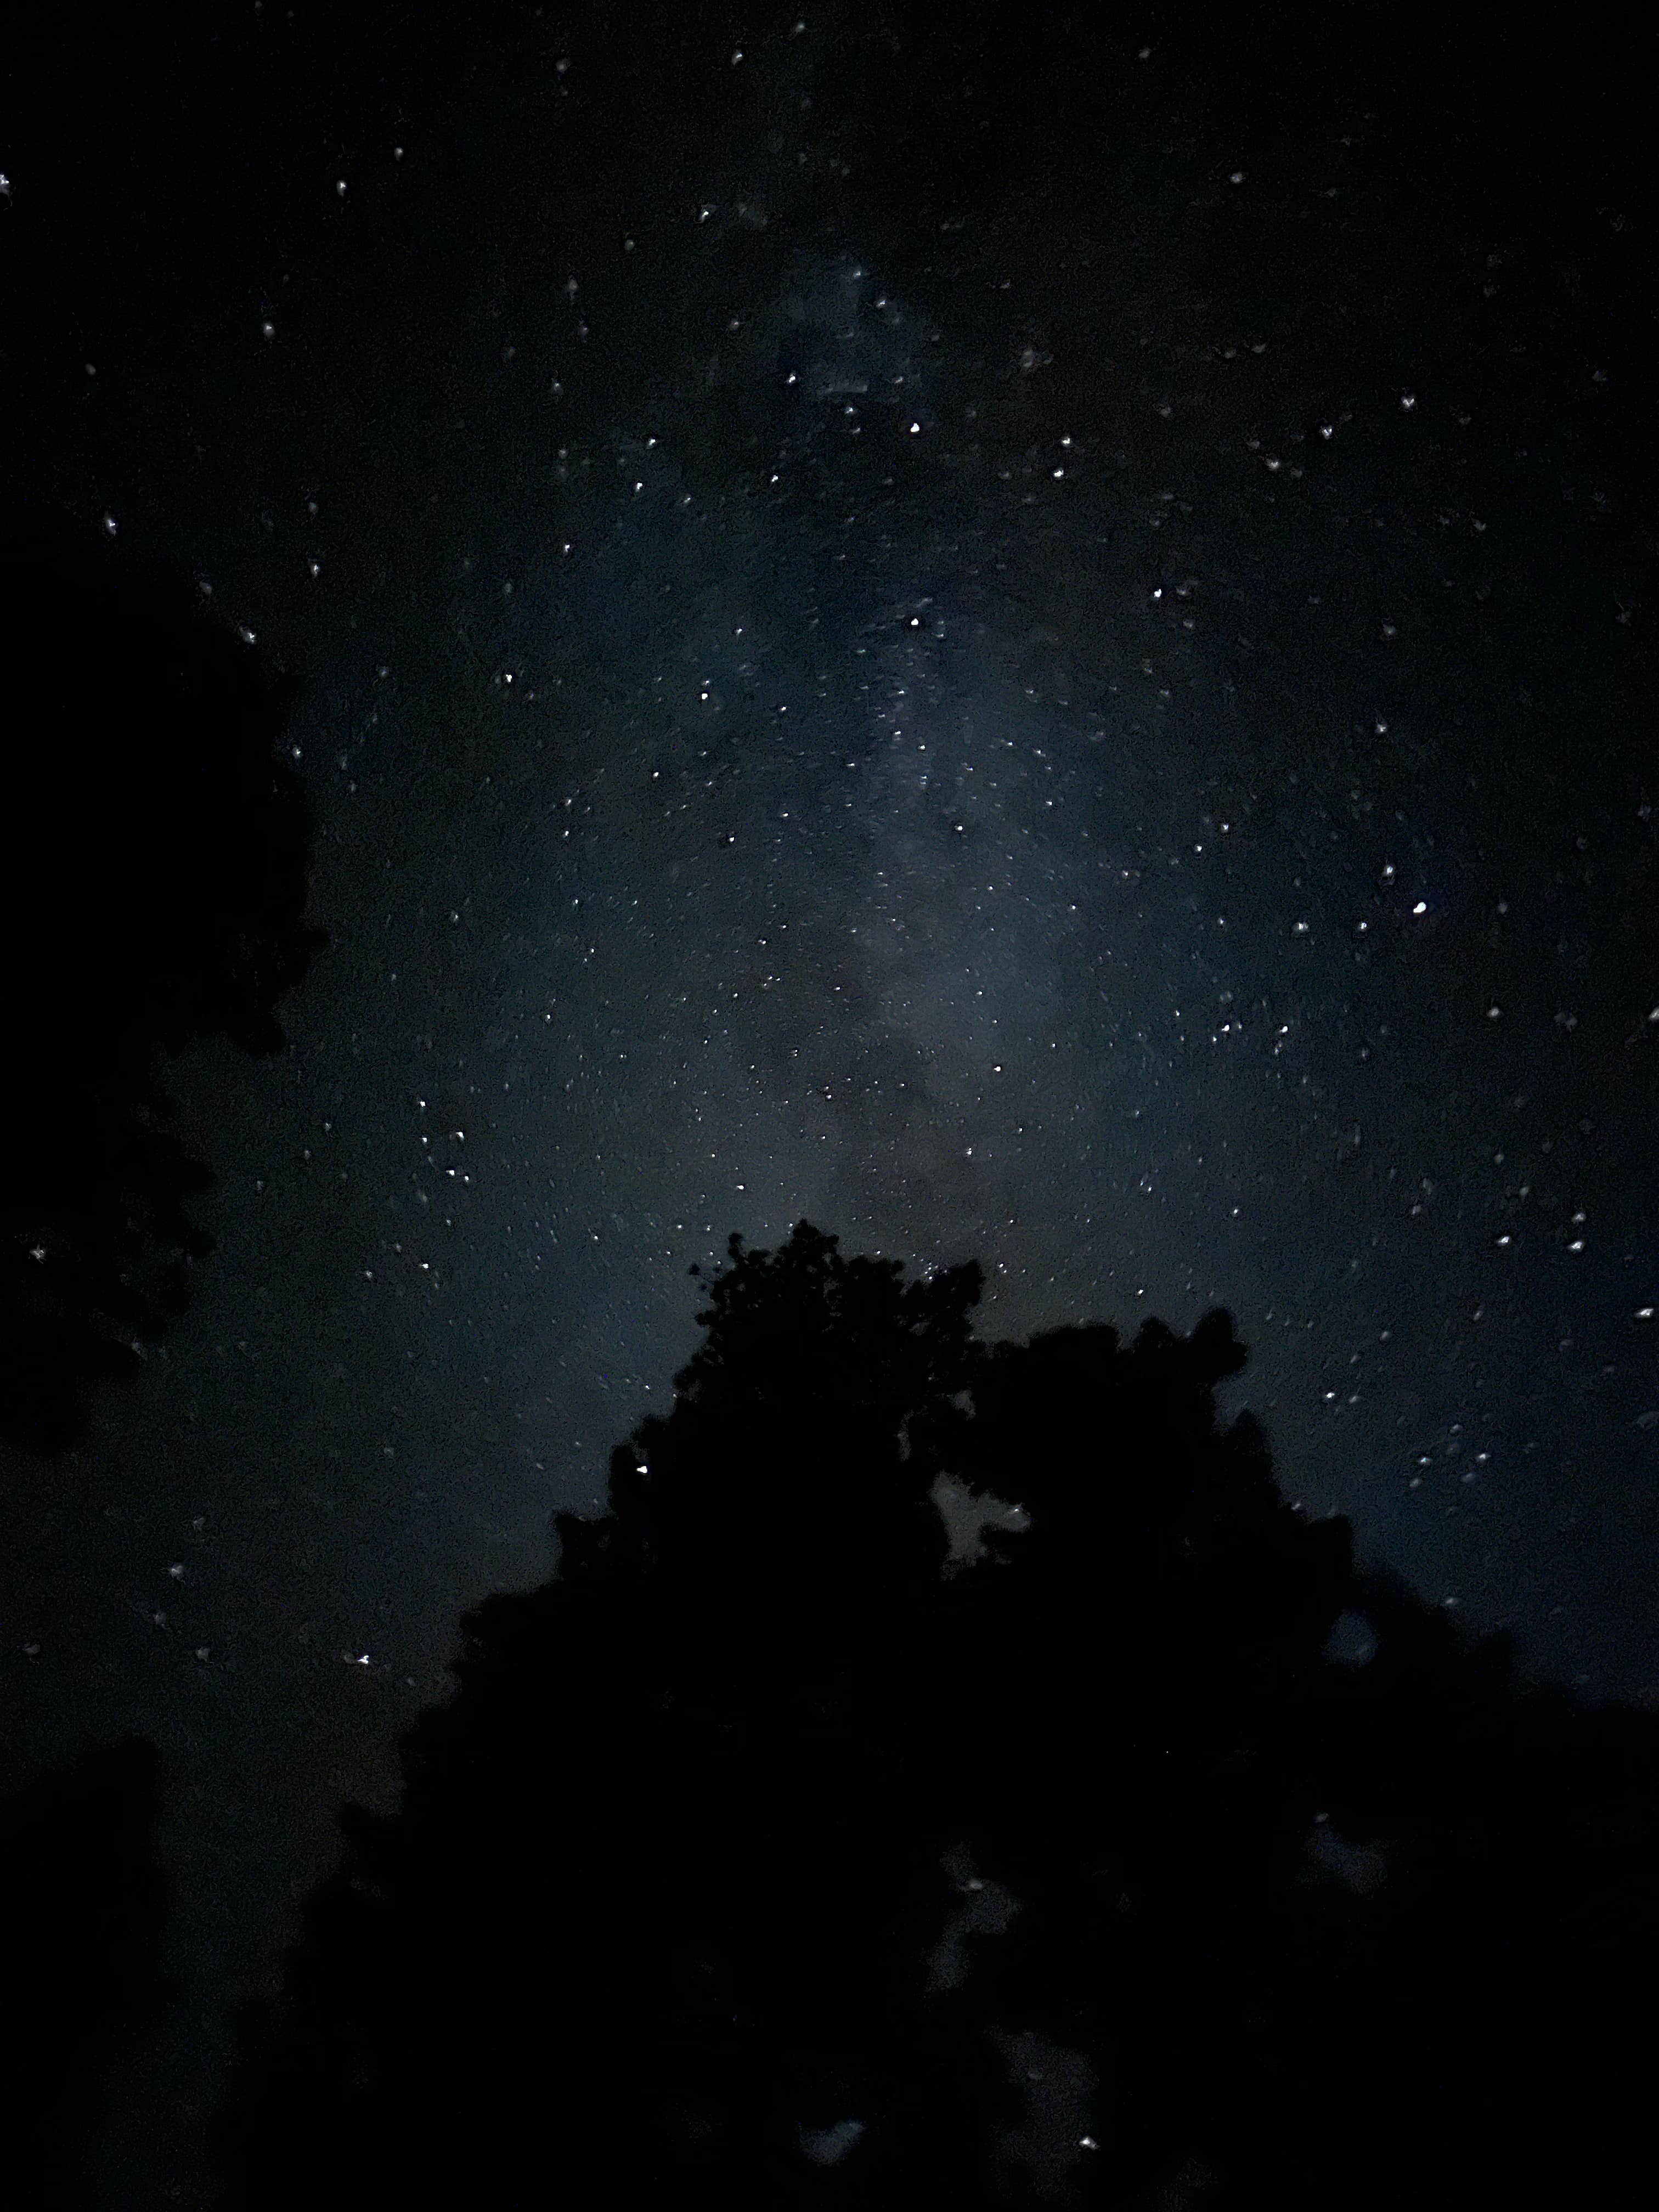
(84, 1909)
(154, 892)
(744, 1846)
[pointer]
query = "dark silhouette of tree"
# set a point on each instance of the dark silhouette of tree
(154, 893)
(697, 1883)
(84, 1909)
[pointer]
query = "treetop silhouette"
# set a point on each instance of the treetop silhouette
(687, 1889)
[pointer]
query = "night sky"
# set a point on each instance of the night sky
(1030, 641)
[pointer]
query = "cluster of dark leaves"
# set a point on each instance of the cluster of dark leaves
(154, 893)
(1329, 1901)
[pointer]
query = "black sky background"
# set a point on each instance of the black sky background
(1089, 831)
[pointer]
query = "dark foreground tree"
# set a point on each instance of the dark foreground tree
(83, 1907)
(760, 1862)
(154, 893)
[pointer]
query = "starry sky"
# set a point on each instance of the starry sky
(1029, 643)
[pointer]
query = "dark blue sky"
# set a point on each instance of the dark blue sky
(1029, 648)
